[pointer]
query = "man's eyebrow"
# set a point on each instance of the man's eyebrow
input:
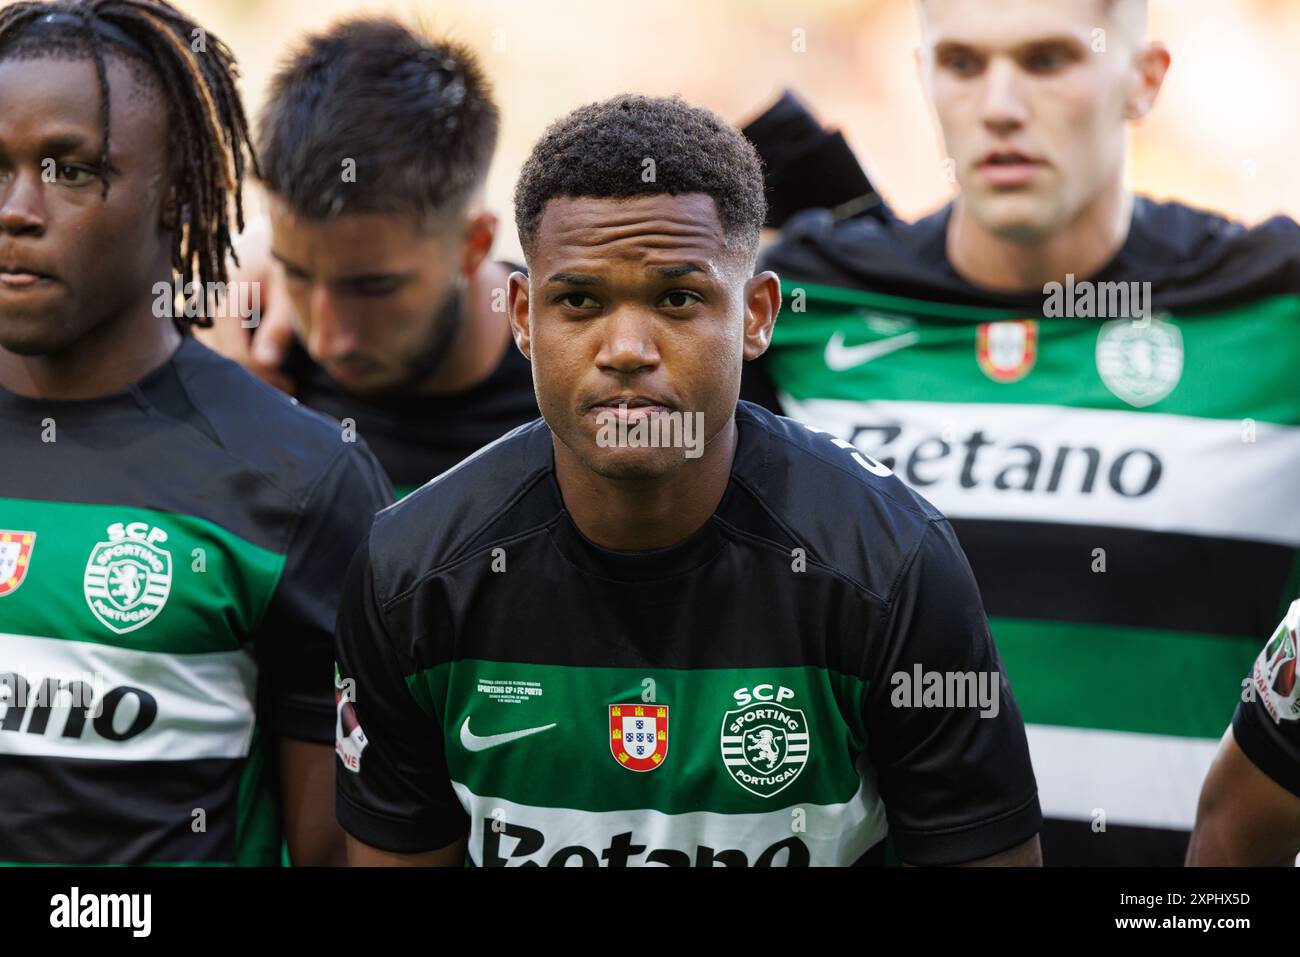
(345, 280)
(677, 272)
(67, 142)
(961, 46)
(572, 279)
(1060, 40)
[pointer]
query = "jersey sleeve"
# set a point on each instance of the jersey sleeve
(295, 642)
(943, 731)
(393, 789)
(1266, 724)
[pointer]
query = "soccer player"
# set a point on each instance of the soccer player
(1249, 812)
(1097, 389)
(375, 145)
(173, 532)
(656, 626)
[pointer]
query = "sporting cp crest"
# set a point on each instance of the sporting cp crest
(15, 559)
(1141, 360)
(128, 577)
(764, 746)
(1006, 350)
(638, 735)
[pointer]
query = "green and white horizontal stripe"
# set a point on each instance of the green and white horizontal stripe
(834, 834)
(204, 702)
(1040, 453)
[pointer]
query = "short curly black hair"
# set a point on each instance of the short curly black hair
(600, 151)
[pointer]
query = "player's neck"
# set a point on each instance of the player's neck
(638, 516)
(1083, 248)
(481, 339)
(116, 354)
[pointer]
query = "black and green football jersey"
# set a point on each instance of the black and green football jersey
(1123, 480)
(170, 561)
(752, 695)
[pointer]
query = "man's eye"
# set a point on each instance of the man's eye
(70, 175)
(680, 299)
(1046, 61)
(962, 64)
(577, 300)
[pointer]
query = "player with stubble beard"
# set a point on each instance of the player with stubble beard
(381, 303)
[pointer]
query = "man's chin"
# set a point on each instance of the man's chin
(372, 385)
(633, 464)
(27, 338)
(1020, 217)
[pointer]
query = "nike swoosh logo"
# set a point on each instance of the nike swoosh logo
(840, 357)
(474, 742)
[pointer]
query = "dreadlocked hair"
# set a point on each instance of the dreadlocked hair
(197, 74)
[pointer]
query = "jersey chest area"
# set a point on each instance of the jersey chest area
(569, 766)
(124, 630)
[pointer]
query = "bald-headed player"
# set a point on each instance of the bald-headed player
(1097, 389)
(658, 626)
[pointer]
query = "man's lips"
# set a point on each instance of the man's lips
(638, 404)
(20, 272)
(16, 279)
(1009, 167)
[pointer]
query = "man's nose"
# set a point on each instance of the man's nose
(1002, 104)
(330, 336)
(22, 204)
(628, 342)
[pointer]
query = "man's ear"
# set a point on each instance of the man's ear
(521, 326)
(175, 214)
(1152, 63)
(171, 210)
(480, 235)
(762, 303)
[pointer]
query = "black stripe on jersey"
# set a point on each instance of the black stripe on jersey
(1224, 586)
(197, 436)
(74, 811)
(1075, 843)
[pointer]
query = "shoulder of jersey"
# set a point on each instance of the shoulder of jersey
(260, 425)
(849, 510)
(441, 519)
(817, 247)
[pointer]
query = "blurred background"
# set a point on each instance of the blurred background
(1223, 135)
